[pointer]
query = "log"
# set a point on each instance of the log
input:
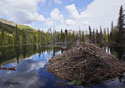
(7, 68)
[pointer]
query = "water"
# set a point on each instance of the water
(30, 63)
(118, 52)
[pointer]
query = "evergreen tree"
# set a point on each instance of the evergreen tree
(61, 35)
(97, 36)
(24, 37)
(105, 35)
(108, 35)
(101, 36)
(2, 36)
(94, 36)
(90, 33)
(83, 36)
(16, 36)
(121, 25)
(66, 36)
(111, 33)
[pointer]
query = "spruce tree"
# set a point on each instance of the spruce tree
(24, 38)
(111, 33)
(90, 34)
(121, 25)
(2, 36)
(66, 36)
(16, 36)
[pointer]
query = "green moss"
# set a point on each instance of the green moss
(78, 82)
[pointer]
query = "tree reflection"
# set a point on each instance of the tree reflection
(119, 52)
(17, 51)
(24, 50)
(8, 54)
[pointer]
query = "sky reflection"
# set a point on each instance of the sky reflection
(31, 73)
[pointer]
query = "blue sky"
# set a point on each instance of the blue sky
(61, 14)
(46, 8)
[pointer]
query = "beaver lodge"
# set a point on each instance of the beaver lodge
(87, 63)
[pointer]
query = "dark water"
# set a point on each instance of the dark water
(30, 63)
(118, 52)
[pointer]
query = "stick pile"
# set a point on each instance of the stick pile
(88, 63)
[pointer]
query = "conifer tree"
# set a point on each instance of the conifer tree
(111, 33)
(2, 36)
(121, 25)
(90, 33)
(16, 36)
(24, 37)
(66, 36)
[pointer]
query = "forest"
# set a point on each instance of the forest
(24, 35)
(62, 44)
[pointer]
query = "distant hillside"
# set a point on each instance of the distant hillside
(10, 26)
(7, 22)
(12, 34)
(25, 27)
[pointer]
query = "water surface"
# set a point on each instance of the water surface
(30, 63)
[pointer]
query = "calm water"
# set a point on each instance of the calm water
(30, 63)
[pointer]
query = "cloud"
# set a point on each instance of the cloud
(70, 22)
(50, 22)
(21, 11)
(99, 12)
(58, 1)
(103, 12)
(76, 18)
(55, 17)
(74, 12)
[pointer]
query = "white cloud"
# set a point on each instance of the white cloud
(56, 15)
(58, 1)
(76, 19)
(50, 22)
(99, 12)
(103, 12)
(21, 11)
(70, 22)
(74, 12)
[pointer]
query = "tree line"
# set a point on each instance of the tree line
(113, 35)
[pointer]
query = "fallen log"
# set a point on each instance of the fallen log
(7, 68)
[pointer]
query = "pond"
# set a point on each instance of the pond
(30, 68)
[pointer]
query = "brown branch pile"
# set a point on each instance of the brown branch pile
(88, 63)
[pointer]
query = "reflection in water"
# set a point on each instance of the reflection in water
(17, 50)
(30, 63)
(9, 54)
(24, 50)
(30, 71)
(119, 52)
